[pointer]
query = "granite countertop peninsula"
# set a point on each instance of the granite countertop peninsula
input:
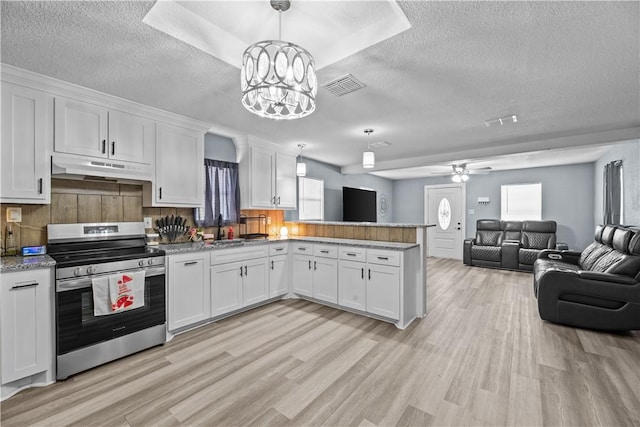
(363, 224)
(19, 263)
(178, 248)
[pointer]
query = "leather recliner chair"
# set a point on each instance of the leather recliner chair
(598, 288)
(486, 248)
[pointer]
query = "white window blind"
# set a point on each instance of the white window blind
(521, 202)
(310, 199)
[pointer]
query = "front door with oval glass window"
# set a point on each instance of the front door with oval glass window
(443, 207)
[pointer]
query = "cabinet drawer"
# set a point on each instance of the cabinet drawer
(375, 256)
(353, 254)
(221, 256)
(302, 248)
(325, 251)
(278, 249)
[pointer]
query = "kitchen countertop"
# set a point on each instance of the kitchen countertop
(19, 263)
(177, 248)
(364, 224)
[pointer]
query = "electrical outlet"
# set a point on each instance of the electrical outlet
(14, 214)
(147, 222)
(268, 220)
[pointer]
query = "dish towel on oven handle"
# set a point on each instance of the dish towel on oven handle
(101, 303)
(126, 291)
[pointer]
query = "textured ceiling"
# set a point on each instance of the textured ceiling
(569, 70)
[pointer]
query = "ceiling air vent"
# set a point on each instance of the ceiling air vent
(344, 85)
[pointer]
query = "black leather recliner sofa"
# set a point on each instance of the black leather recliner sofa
(509, 244)
(598, 288)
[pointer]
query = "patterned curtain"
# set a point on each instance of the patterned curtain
(613, 201)
(222, 194)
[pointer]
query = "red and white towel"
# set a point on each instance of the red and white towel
(118, 292)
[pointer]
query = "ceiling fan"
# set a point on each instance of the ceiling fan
(461, 173)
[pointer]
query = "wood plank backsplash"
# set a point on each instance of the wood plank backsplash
(74, 201)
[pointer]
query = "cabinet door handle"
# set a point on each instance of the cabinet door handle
(383, 258)
(324, 252)
(40, 186)
(24, 285)
(309, 264)
(302, 249)
(278, 200)
(113, 148)
(315, 265)
(273, 200)
(369, 274)
(351, 254)
(279, 249)
(240, 271)
(160, 196)
(190, 263)
(245, 270)
(272, 265)
(362, 272)
(104, 146)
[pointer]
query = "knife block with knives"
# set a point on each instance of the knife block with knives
(171, 227)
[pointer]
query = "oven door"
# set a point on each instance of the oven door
(77, 327)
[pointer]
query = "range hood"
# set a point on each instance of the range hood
(69, 166)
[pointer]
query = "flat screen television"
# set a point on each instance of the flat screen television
(358, 205)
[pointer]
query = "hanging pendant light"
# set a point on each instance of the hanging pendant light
(278, 78)
(301, 167)
(368, 157)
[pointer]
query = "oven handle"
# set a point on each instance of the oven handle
(85, 282)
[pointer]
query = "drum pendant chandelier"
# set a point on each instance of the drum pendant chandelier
(278, 78)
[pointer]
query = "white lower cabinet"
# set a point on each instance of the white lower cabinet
(325, 279)
(255, 286)
(383, 290)
(278, 275)
(315, 271)
(239, 278)
(226, 288)
(352, 286)
(209, 284)
(302, 274)
(26, 324)
(189, 298)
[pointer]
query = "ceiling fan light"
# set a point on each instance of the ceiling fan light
(456, 178)
(464, 177)
(368, 159)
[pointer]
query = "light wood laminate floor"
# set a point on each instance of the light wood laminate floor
(481, 356)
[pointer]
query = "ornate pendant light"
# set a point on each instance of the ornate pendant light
(278, 78)
(368, 157)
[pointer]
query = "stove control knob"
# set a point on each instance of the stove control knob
(77, 271)
(150, 262)
(91, 269)
(141, 263)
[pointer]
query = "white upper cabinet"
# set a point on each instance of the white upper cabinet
(132, 138)
(27, 133)
(285, 174)
(179, 169)
(267, 176)
(91, 130)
